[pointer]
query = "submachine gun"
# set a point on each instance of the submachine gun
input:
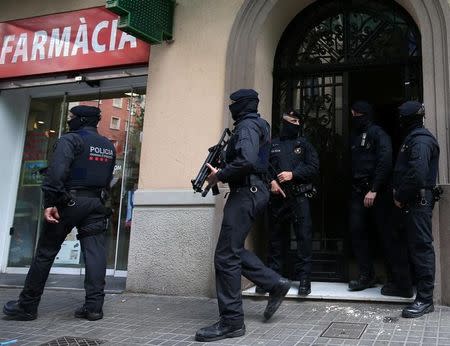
(214, 158)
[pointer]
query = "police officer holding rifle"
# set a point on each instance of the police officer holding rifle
(245, 170)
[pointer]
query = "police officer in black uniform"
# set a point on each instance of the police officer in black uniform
(371, 154)
(245, 170)
(415, 176)
(293, 165)
(80, 170)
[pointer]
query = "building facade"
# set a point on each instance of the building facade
(316, 56)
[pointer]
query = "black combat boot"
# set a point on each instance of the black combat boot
(220, 330)
(362, 283)
(304, 288)
(392, 290)
(15, 311)
(276, 296)
(417, 309)
(82, 312)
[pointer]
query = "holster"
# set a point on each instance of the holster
(302, 189)
(83, 234)
(64, 200)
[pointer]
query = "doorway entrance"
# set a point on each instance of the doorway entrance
(334, 53)
(122, 121)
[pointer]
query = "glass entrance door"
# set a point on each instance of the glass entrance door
(122, 121)
(43, 129)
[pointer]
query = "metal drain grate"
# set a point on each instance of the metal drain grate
(344, 330)
(73, 341)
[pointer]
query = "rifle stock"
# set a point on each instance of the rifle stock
(214, 159)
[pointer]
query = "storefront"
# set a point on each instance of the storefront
(49, 64)
(314, 55)
(260, 45)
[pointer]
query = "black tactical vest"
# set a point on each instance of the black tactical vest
(93, 166)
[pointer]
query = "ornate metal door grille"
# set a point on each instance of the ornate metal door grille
(315, 57)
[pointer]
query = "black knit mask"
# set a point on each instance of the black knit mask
(409, 123)
(289, 130)
(361, 123)
(242, 107)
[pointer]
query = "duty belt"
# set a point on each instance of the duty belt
(249, 180)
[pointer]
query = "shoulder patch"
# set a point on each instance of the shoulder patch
(298, 150)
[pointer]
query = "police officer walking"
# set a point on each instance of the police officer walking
(246, 164)
(81, 168)
(415, 176)
(371, 155)
(293, 164)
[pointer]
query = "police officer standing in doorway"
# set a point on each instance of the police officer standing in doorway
(371, 155)
(80, 171)
(415, 176)
(245, 171)
(293, 164)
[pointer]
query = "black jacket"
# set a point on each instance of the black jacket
(294, 155)
(247, 150)
(416, 166)
(82, 159)
(371, 157)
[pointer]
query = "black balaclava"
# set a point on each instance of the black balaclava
(411, 117)
(289, 130)
(407, 124)
(75, 124)
(361, 123)
(84, 116)
(245, 101)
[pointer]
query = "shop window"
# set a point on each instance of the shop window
(115, 123)
(117, 103)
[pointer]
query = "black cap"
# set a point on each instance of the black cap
(293, 113)
(411, 108)
(242, 94)
(362, 107)
(85, 111)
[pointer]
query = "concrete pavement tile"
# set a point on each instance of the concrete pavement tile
(365, 342)
(429, 340)
(137, 321)
(413, 339)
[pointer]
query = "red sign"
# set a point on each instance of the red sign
(69, 41)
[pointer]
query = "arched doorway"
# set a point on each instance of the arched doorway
(331, 54)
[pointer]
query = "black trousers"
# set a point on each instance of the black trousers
(416, 220)
(88, 215)
(282, 213)
(232, 259)
(361, 219)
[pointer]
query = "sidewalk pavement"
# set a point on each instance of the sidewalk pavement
(138, 319)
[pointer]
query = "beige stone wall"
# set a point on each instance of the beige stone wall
(32, 8)
(278, 19)
(443, 253)
(185, 90)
